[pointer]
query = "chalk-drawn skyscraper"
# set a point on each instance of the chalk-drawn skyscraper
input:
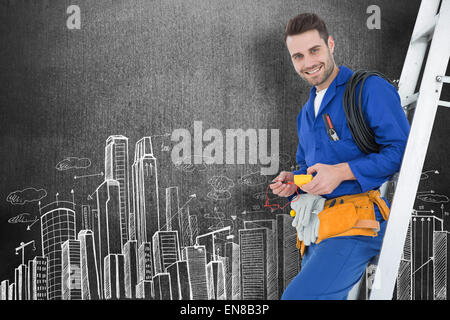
(403, 290)
(145, 262)
(172, 210)
(58, 225)
(423, 228)
(195, 256)
(258, 269)
(107, 234)
(114, 276)
(20, 279)
(4, 286)
(185, 227)
(441, 250)
(166, 250)
(131, 268)
(416, 278)
(216, 280)
(272, 252)
(71, 270)
(146, 193)
(287, 254)
(116, 168)
(90, 278)
(232, 271)
(179, 280)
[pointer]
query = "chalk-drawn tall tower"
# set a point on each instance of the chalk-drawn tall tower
(37, 278)
(166, 250)
(418, 278)
(116, 168)
(441, 263)
(258, 270)
(196, 264)
(145, 191)
(107, 233)
(172, 210)
(71, 270)
(57, 226)
(90, 278)
(287, 255)
(422, 258)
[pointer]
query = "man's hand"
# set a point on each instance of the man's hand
(282, 189)
(328, 178)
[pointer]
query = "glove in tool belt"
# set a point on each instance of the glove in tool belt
(350, 216)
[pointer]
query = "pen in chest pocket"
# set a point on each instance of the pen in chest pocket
(331, 131)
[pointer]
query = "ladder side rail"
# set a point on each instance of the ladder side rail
(413, 159)
(426, 18)
(417, 49)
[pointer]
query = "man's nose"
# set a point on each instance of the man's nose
(308, 63)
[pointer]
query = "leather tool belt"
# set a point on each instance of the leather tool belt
(352, 215)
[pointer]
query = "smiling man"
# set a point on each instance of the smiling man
(342, 172)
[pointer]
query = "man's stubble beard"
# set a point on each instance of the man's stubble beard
(327, 72)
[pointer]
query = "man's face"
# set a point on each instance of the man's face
(311, 57)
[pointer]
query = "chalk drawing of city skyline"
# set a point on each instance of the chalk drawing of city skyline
(128, 247)
(138, 240)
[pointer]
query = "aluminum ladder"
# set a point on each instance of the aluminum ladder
(431, 31)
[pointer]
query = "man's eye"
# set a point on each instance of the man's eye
(314, 50)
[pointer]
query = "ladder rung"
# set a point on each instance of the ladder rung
(426, 31)
(441, 103)
(444, 103)
(410, 99)
(445, 79)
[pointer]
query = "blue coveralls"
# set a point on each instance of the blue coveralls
(331, 268)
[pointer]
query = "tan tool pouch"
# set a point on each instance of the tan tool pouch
(350, 216)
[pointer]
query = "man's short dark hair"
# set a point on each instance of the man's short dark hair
(305, 22)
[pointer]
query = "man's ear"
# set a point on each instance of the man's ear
(331, 44)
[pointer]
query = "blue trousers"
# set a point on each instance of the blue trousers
(331, 268)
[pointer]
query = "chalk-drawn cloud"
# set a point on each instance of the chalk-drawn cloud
(190, 165)
(433, 198)
(285, 159)
(27, 195)
(253, 179)
(22, 218)
(221, 183)
(73, 163)
(260, 196)
(219, 195)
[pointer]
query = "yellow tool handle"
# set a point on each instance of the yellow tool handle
(299, 180)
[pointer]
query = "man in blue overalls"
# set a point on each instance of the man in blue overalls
(332, 267)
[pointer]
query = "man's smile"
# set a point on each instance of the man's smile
(314, 71)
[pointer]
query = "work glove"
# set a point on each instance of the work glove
(310, 233)
(307, 207)
(303, 205)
